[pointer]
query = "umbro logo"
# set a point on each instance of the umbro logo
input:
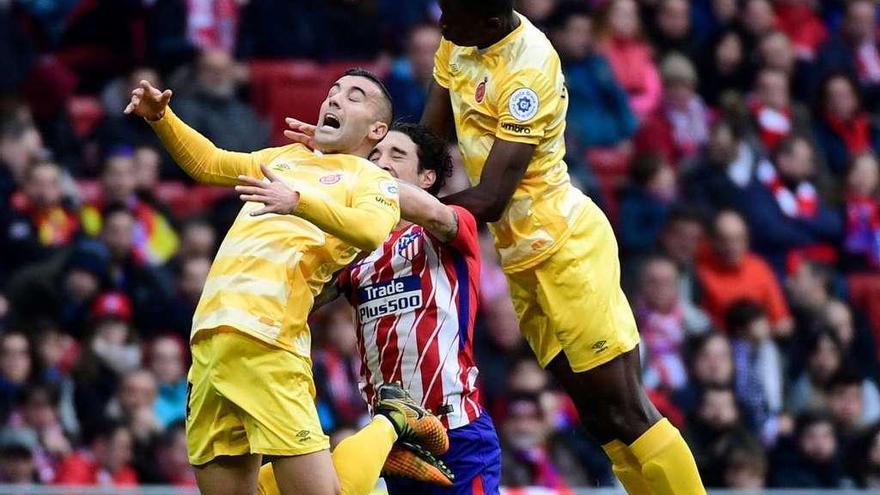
(600, 346)
(303, 436)
(281, 166)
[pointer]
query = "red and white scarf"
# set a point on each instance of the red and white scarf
(803, 202)
(773, 124)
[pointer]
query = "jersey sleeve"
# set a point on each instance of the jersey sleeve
(527, 103)
(203, 161)
(367, 221)
(467, 239)
(441, 64)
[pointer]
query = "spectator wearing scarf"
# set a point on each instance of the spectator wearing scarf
(842, 128)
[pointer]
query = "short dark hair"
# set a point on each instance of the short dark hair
(564, 12)
(433, 152)
(372, 77)
(845, 377)
(488, 8)
(741, 314)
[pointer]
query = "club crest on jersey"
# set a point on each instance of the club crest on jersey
(329, 180)
(481, 91)
(524, 104)
(408, 245)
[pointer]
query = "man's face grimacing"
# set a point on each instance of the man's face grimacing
(399, 156)
(353, 117)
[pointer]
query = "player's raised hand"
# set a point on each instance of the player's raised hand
(148, 102)
(300, 132)
(276, 196)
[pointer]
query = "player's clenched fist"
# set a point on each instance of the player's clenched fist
(148, 102)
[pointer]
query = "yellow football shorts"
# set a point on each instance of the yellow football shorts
(247, 397)
(572, 301)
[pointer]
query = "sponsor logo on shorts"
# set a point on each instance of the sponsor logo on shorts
(600, 346)
(392, 297)
(303, 436)
(519, 129)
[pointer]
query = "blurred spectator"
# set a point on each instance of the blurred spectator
(110, 352)
(172, 459)
(824, 360)
(775, 51)
(662, 325)
(756, 20)
(724, 168)
(680, 239)
(336, 368)
(746, 467)
(854, 336)
(155, 240)
(40, 220)
(774, 115)
(799, 20)
(135, 406)
(730, 272)
(715, 427)
(759, 381)
(815, 459)
(190, 282)
(280, 29)
(680, 126)
(198, 239)
(167, 363)
(710, 361)
(38, 416)
(645, 203)
(861, 246)
(856, 50)
(107, 462)
(20, 146)
(412, 75)
(788, 219)
(672, 29)
(724, 68)
(147, 287)
(842, 128)
(630, 57)
(599, 114)
(17, 464)
(530, 456)
(213, 109)
(15, 369)
(538, 11)
(867, 459)
(846, 407)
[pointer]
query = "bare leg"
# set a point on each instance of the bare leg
(229, 475)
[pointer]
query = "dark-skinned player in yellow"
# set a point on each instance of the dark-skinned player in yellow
(251, 391)
(498, 78)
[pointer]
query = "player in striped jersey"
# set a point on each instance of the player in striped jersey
(251, 391)
(415, 301)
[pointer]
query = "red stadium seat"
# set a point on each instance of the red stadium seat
(85, 113)
(611, 167)
(295, 88)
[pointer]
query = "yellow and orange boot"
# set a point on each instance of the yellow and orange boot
(414, 424)
(408, 460)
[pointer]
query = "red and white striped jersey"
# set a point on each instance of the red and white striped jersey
(415, 301)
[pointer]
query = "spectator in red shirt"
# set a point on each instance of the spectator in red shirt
(106, 463)
(730, 272)
(798, 19)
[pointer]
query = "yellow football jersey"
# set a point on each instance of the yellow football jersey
(515, 91)
(269, 268)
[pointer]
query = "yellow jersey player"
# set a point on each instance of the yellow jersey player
(498, 77)
(251, 391)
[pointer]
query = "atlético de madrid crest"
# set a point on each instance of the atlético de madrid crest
(408, 245)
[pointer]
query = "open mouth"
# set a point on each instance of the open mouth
(331, 121)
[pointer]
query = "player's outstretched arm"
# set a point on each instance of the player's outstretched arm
(195, 154)
(504, 169)
(374, 212)
(438, 111)
(419, 207)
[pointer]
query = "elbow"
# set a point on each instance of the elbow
(369, 242)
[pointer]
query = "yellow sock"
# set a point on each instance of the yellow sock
(627, 468)
(358, 460)
(667, 463)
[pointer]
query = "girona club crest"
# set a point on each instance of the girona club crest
(481, 91)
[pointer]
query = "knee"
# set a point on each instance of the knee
(627, 421)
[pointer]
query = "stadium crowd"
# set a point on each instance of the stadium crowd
(733, 143)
